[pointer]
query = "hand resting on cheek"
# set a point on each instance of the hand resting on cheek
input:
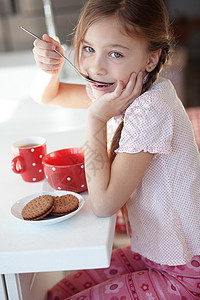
(116, 102)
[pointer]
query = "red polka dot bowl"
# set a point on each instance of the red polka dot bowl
(64, 169)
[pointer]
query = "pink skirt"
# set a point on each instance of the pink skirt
(131, 276)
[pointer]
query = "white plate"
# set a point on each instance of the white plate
(16, 209)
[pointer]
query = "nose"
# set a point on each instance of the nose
(98, 66)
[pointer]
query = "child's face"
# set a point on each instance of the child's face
(108, 55)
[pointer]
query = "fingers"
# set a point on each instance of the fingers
(45, 56)
(48, 39)
(132, 89)
(123, 97)
(118, 90)
(47, 63)
(138, 84)
(47, 42)
(134, 86)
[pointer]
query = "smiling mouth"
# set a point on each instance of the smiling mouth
(102, 85)
(99, 83)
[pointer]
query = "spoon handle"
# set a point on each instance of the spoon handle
(34, 35)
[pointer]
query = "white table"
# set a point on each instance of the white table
(84, 241)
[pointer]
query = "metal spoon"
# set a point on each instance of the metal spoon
(86, 77)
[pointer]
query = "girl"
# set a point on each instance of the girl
(152, 170)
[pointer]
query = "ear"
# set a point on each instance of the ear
(153, 60)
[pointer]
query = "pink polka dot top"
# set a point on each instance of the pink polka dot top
(164, 210)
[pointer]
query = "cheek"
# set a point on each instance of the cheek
(121, 74)
(83, 63)
(124, 72)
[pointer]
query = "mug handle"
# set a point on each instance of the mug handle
(17, 164)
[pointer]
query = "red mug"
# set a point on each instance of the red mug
(27, 162)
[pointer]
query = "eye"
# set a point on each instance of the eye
(116, 54)
(89, 49)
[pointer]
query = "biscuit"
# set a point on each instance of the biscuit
(38, 208)
(64, 205)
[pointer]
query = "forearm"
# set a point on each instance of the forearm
(97, 164)
(110, 185)
(44, 87)
(47, 89)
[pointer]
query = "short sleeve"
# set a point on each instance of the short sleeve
(148, 126)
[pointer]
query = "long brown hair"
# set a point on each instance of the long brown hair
(146, 18)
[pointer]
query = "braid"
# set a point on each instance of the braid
(115, 141)
(152, 76)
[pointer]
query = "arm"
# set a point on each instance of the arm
(46, 87)
(110, 186)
